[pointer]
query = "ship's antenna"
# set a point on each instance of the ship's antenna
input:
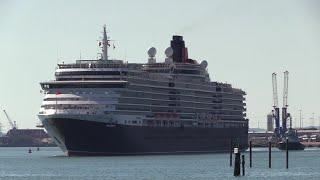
(105, 44)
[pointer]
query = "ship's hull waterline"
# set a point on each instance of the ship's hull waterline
(89, 138)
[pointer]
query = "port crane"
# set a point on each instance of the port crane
(280, 130)
(12, 123)
(276, 112)
(285, 114)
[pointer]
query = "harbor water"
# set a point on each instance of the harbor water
(51, 163)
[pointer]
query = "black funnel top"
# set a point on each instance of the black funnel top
(178, 46)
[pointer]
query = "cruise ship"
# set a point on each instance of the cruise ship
(114, 107)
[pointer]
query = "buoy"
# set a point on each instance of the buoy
(30, 151)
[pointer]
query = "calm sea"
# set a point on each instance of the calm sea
(50, 163)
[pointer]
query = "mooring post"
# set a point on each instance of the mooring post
(250, 158)
(237, 160)
(243, 166)
(287, 153)
(269, 154)
(231, 151)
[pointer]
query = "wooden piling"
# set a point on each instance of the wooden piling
(287, 153)
(243, 166)
(231, 151)
(269, 154)
(237, 160)
(250, 157)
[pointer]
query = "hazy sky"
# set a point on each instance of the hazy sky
(243, 41)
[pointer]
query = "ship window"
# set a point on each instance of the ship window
(45, 86)
(171, 84)
(88, 73)
(86, 85)
(186, 71)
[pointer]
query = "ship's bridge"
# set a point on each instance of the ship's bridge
(93, 64)
(92, 70)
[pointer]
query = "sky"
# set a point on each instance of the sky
(243, 41)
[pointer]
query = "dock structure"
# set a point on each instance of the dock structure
(309, 138)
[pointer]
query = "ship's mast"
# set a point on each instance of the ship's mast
(105, 44)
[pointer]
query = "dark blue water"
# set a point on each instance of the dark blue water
(50, 163)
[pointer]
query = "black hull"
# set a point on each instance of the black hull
(292, 146)
(85, 138)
